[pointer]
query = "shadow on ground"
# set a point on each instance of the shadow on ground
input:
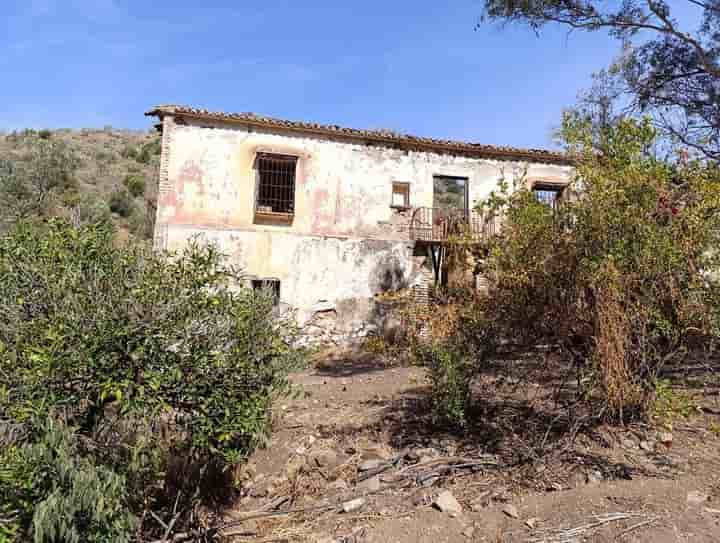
(349, 364)
(525, 411)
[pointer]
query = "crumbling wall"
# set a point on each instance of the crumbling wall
(329, 282)
(342, 188)
(345, 243)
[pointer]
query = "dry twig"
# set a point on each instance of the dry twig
(570, 535)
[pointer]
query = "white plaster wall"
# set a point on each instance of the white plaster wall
(342, 188)
(314, 271)
(342, 204)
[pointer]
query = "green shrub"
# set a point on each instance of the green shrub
(149, 150)
(135, 184)
(451, 371)
(140, 224)
(130, 346)
(121, 202)
(44, 134)
(671, 404)
(54, 493)
(149, 333)
(129, 152)
(31, 180)
(89, 209)
(105, 156)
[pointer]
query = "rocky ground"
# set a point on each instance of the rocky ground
(354, 459)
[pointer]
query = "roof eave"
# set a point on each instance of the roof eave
(459, 148)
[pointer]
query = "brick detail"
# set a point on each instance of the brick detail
(165, 185)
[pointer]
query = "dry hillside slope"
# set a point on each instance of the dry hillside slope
(116, 172)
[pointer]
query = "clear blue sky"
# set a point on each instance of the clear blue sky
(417, 67)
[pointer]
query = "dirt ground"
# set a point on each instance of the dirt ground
(360, 429)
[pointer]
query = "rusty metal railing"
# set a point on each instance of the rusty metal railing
(434, 224)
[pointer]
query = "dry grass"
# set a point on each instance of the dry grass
(621, 391)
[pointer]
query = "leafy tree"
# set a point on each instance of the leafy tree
(674, 76)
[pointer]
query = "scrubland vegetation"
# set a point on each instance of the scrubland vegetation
(621, 279)
(81, 175)
(132, 382)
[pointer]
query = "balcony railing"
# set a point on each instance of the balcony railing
(439, 225)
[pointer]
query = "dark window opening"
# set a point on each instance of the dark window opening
(548, 195)
(450, 195)
(276, 184)
(400, 195)
(268, 285)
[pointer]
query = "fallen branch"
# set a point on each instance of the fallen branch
(486, 460)
(569, 535)
(444, 470)
(635, 527)
(382, 468)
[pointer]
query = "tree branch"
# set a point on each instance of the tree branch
(682, 36)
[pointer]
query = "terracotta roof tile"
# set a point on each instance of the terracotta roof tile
(386, 137)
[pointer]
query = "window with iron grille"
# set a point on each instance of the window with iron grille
(268, 285)
(275, 184)
(548, 194)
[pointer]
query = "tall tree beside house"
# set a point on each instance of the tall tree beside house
(621, 277)
(664, 70)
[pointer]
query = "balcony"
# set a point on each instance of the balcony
(437, 225)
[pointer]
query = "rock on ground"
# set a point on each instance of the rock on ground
(447, 503)
(353, 505)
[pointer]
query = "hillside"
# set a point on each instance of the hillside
(114, 172)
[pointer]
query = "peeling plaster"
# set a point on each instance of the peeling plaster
(345, 244)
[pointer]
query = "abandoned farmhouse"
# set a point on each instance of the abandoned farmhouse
(328, 217)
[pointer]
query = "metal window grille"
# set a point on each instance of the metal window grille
(276, 183)
(548, 195)
(271, 285)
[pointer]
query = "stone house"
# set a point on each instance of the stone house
(328, 217)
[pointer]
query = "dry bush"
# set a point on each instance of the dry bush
(611, 357)
(621, 278)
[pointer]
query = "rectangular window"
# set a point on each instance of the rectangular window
(275, 185)
(450, 194)
(400, 195)
(548, 194)
(270, 285)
